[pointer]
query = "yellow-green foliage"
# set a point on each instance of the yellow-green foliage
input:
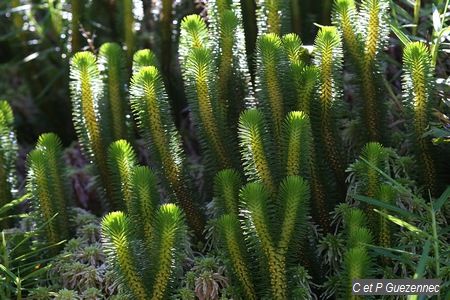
(117, 232)
(273, 227)
(357, 261)
(230, 231)
(199, 72)
(234, 86)
(300, 88)
(273, 16)
(269, 83)
(227, 184)
(169, 232)
(296, 144)
(8, 153)
(163, 249)
(111, 60)
(48, 186)
(143, 58)
(255, 149)
(145, 200)
(328, 58)
(152, 111)
(193, 34)
(86, 93)
(202, 84)
(255, 198)
(374, 157)
(365, 32)
(418, 89)
(121, 161)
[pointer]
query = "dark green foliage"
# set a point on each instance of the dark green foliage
(48, 186)
(77, 7)
(127, 25)
(227, 184)
(121, 162)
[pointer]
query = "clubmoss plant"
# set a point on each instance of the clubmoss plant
(47, 183)
(273, 227)
(121, 162)
(87, 95)
(152, 112)
(328, 58)
(365, 33)
(114, 110)
(120, 242)
(418, 89)
(8, 153)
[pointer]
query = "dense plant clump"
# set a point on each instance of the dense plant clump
(295, 169)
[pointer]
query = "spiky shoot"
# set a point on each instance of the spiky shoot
(86, 93)
(357, 260)
(273, 16)
(255, 197)
(328, 58)
(234, 82)
(169, 234)
(418, 89)
(269, 84)
(143, 58)
(199, 72)
(118, 242)
(111, 60)
(121, 161)
(293, 198)
(296, 144)
(8, 154)
(145, 200)
(365, 34)
(227, 184)
(47, 182)
(234, 244)
(256, 149)
(151, 109)
(193, 34)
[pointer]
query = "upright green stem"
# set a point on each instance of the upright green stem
(435, 241)
(416, 16)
